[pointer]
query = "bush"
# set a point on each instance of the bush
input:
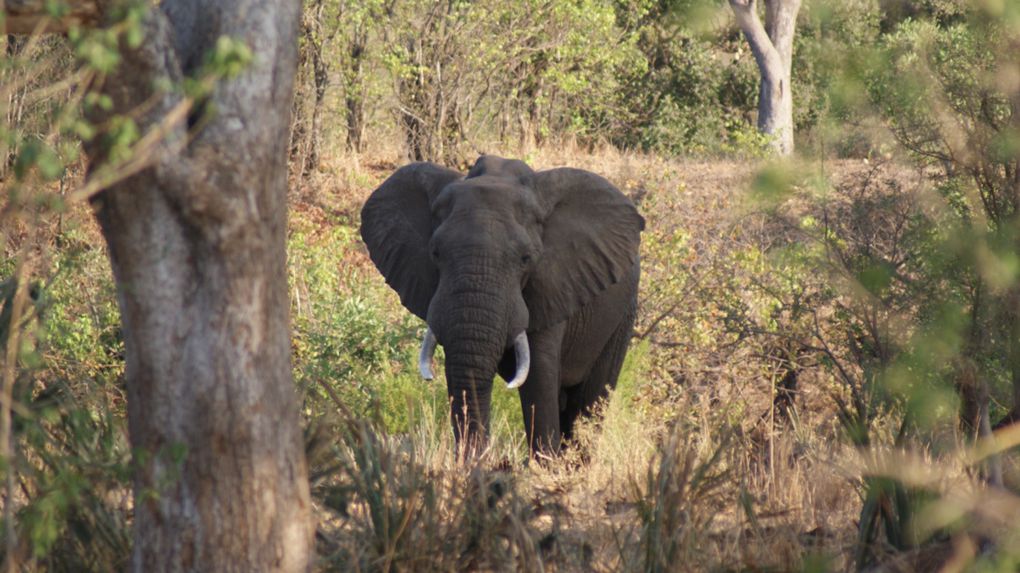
(392, 510)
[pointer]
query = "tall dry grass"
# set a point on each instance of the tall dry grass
(689, 466)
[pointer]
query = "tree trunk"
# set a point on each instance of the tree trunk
(355, 122)
(197, 246)
(316, 41)
(1012, 302)
(971, 384)
(409, 92)
(772, 46)
(320, 77)
(1012, 319)
(306, 130)
(299, 126)
(14, 108)
(355, 94)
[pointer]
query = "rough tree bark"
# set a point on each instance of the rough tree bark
(197, 243)
(772, 46)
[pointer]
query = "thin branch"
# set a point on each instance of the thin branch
(18, 301)
(32, 17)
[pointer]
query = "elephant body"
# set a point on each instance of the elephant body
(575, 363)
(532, 275)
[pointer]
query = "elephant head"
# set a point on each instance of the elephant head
(487, 258)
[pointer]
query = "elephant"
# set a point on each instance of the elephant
(531, 275)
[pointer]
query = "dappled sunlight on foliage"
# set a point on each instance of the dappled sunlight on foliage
(826, 359)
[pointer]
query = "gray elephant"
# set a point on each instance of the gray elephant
(533, 275)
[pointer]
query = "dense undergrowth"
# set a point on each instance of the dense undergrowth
(821, 348)
(728, 445)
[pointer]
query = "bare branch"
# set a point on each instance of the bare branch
(31, 16)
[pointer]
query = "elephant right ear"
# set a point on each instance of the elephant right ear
(396, 225)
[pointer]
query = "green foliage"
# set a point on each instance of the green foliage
(938, 85)
(925, 271)
(697, 98)
(228, 58)
(637, 74)
(72, 461)
(886, 294)
(830, 34)
(588, 77)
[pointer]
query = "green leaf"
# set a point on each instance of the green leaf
(50, 165)
(876, 277)
(772, 185)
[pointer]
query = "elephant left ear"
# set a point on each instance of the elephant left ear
(590, 241)
(396, 225)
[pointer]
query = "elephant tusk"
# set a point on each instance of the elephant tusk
(428, 348)
(523, 354)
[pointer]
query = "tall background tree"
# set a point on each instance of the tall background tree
(772, 46)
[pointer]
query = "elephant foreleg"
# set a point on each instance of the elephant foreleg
(540, 394)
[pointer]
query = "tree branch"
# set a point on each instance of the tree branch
(765, 54)
(780, 22)
(31, 16)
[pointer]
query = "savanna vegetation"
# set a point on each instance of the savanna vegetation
(826, 365)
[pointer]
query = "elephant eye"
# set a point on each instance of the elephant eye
(525, 259)
(435, 254)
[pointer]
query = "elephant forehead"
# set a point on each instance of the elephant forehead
(490, 225)
(481, 226)
(486, 193)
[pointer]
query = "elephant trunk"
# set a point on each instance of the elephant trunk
(474, 336)
(522, 353)
(470, 393)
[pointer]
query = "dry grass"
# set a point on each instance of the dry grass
(684, 472)
(690, 467)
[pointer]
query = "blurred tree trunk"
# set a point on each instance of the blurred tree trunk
(299, 121)
(14, 107)
(1012, 172)
(975, 420)
(531, 117)
(772, 46)
(320, 81)
(9, 108)
(430, 87)
(197, 246)
(306, 134)
(415, 131)
(970, 383)
(354, 97)
(1012, 328)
